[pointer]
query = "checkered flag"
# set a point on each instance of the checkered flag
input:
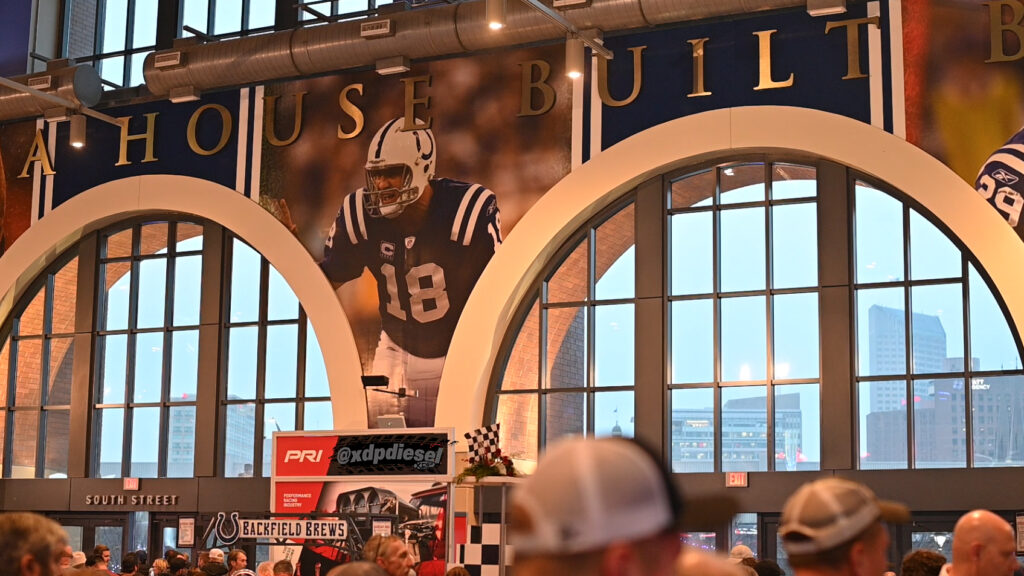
(482, 442)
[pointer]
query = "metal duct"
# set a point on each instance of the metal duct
(425, 33)
(78, 84)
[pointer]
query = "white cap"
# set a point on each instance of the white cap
(216, 554)
(587, 494)
(825, 514)
(739, 553)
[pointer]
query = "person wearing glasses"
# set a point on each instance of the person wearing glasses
(390, 553)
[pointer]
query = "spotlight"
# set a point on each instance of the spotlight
(77, 130)
(496, 14)
(573, 57)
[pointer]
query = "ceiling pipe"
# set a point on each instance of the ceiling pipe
(443, 30)
(61, 85)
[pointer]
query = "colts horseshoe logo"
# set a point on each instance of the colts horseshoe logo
(226, 529)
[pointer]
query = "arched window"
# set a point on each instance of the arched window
(155, 300)
(756, 294)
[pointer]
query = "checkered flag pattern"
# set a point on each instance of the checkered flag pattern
(482, 442)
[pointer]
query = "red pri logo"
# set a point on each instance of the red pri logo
(303, 455)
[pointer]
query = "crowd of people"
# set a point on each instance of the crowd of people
(604, 507)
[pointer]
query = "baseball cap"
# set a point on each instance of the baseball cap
(216, 554)
(589, 493)
(78, 559)
(739, 552)
(827, 513)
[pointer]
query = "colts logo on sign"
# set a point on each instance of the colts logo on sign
(303, 455)
(387, 250)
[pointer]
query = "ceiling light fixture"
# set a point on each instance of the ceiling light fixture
(496, 14)
(77, 131)
(573, 57)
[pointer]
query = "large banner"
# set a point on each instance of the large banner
(371, 483)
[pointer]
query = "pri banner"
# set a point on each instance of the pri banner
(371, 483)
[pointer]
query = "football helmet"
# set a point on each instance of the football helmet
(399, 166)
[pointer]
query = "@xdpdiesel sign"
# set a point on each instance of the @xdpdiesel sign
(390, 454)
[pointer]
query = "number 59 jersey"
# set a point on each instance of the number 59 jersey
(1001, 180)
(423, 277)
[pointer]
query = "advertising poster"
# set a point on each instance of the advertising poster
(391, 484)
(487, 134)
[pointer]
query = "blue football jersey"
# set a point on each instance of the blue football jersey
(425, 277)
(1001, 180)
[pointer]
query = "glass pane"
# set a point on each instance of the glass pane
(881, 331)
(938, 328)
(276, 418)
(23, 453)
(693, 341)
(566, 360)
(241, 363)
(932, 254)
(145, 442)
(281, 301)
(521, 371)
(189, 236)
(282, 361)
(794, 246)
(744, 531)
(115, 295)
(744, 335)
(245, 274)
(30, 322)
(152, 293)
(883, 424)
(188, 273)
(28, 385)
(149, 366)
(316, 370)
(181, 434)
(5, 372)
(742, 256)
(692, 253)
(793, 181)
(797, 427)
(74, 536)
(136, 74)
(997, 417)
(114, 30)
(195, 14)
(700, 540)
(112, 70)
(57, 439)
(517, 414)
(878, 224)
(111, 537)
(941, 542)
(261, 13)
(153, 238)
(227, 16)
(795, 339)
(744, 429)
(693, 430)
(940, 424)
(65, 298)
(118, 244)
(615, 256)
(992, 343)
(62, 360)
(565, 415)
(145, 23)
(240, 433)
(742, 183)
(184, 365)
(614, 352)
(109, 430)
(694, 190)
(112, 371)
(613, 414)
(317, 416)
(569, 282)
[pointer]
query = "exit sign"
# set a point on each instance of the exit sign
(735, 479)
(131, 483)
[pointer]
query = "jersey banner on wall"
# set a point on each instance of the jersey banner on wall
(402, 187)
(372, 483)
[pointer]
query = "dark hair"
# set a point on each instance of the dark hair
(178, 563)
(129, 562)
(283, 567)
(99, 550)
(922, 563)
(768, 568)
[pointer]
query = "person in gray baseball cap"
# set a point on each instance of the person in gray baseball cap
(836, 527)
(604, 507)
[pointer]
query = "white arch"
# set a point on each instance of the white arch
(587, 190)
(114, 201)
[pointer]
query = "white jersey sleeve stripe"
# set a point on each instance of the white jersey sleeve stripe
(456, 224)
(475, 215)
(359, 212)
(348, 217)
